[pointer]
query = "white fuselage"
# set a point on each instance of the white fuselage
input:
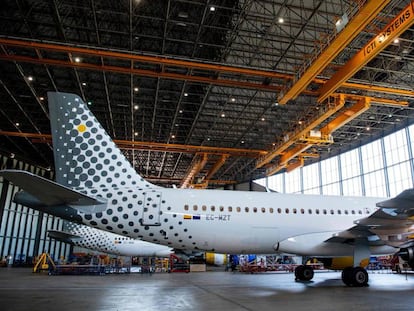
(107, 242)
(233, 221)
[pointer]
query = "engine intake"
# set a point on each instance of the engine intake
(407, 254)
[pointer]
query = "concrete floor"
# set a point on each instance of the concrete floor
(20, 289)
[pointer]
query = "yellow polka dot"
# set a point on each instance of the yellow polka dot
(81, 128)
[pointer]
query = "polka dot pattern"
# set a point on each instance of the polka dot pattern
(87, 160)
(85, 155)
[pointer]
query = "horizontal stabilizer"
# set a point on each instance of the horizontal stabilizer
(48, 192)
(62, 236)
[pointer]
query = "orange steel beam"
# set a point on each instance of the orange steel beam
(295, 164)
(366, 14)
(195, 169)
(354, 111)
(379, 89)
(141, 145)
(396, 27)
(293, 152)
(377, 100)
(65, 48)
(162, 60)
(339, 102)
(372, 88)
(216, 166)
(142, 72)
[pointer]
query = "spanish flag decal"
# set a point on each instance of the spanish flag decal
(187, 217)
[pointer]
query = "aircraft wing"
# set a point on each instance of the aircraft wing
(392, 224)
(402, 204)
(63, 236)
(48, 192)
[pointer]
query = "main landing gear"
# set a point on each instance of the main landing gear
(303, 273)
(351, 276)
(355, 276)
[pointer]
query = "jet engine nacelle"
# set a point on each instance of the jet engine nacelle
(407, 254)
(313, 244)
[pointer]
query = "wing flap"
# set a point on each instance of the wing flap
(49, 192)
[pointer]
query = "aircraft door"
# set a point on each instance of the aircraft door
(152, 206)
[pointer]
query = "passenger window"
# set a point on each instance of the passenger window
(186, 207)
(255, 209)
(238, 209)
(353, 212)
(295, 211)
(279, 210)
(271, 210)
(302, 211)
(221, 208)
(317, 211)
(263, 210)
(195, 207)
(230, 209)
(332, 212)
(346, 212)
(204, 208)
(360, 212)
(213, 208)
(309, 211)
(339, 212)
(246, 209)
(324, 211)
(287, 211)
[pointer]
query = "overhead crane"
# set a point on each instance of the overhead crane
(309, 135)
(392, 30)
(363, 17)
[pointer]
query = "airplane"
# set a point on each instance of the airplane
(107, 242)
(97, 186)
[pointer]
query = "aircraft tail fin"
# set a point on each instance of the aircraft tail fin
(85, 155)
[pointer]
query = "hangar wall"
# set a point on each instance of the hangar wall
(382, 168)
(23, 231)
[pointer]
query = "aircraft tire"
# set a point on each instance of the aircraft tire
(360, 277)
(355, 276)
(304, 273)
(347, 276)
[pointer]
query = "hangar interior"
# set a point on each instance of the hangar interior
(202, 93)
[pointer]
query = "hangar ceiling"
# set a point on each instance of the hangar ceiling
(209, 92)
